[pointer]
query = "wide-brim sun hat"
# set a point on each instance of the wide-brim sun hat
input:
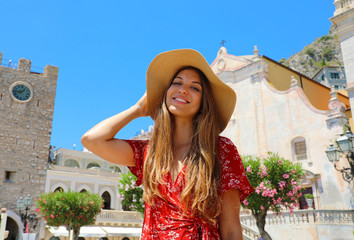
(163, 68)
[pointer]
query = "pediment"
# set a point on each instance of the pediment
(228, 62)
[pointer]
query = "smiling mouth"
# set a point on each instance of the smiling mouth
(180, 100)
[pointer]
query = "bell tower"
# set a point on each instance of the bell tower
(26, 113)
(343, 19)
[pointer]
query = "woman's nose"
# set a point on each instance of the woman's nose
(183, 90)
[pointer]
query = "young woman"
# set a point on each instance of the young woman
(193, 179)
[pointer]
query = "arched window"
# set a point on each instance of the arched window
(71, 163)
(106, 200)
(54, 238)
(126, 238)
(115, 169)
(59, 189)
(83, 190)
(93, 165)
(299, 148)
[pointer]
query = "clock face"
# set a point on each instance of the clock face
(21, 92)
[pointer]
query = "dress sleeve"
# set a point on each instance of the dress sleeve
(139, 150)
(233, 173)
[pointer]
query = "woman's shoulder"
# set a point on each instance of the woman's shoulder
(224, 141)
(226, 149)
(137, 144)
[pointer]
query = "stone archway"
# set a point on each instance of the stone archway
(14, 226)
(106, 200)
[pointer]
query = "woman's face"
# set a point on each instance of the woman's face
(184, 96)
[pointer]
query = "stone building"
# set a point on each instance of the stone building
(332, 76)
(26, 113)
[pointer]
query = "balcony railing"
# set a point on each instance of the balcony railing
(249, 233)
(343, 5)
(305, 217)
(119, 218)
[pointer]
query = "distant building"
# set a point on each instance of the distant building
(332, 76)
(83, 171)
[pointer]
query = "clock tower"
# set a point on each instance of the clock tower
(26, 113)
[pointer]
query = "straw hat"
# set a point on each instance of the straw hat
(165, 65)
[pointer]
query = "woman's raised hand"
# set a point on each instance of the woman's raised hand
(100, 139)
(141, 106)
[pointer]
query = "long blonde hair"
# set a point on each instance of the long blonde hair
(203, 174)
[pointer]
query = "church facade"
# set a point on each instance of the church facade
(272, 117)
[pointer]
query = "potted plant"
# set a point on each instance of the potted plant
(309, 200)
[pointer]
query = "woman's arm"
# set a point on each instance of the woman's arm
(229, 220)
(100, 139)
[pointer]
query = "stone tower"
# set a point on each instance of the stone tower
(26, 112)
(343, 19)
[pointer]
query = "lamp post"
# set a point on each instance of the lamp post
(346, 147)
(24, 205)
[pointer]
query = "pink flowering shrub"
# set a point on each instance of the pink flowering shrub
(69, 209)
(277, 185)
(130, 195)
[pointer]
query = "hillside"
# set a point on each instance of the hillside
(324, 51)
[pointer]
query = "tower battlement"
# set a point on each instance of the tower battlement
(25, 65)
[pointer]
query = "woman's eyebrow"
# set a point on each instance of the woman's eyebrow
(178, 77)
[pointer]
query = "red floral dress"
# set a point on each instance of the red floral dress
(165, 220)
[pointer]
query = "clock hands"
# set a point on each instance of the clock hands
(19, 91)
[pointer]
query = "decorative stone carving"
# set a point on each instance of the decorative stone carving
(335, 105)
(337, 117)
(294, 82)
(221, 64)
(255, 53)
(222, 51)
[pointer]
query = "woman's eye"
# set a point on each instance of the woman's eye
(176, 83)
(196, 89)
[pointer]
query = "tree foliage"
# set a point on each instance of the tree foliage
(130, 194)
(277, 184)
(69, 209)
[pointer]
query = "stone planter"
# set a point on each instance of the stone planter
(309, 203)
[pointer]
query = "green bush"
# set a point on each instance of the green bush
(131, 195)
(310, 51)
(328, 54)
(282, 61)
(308, 196)
(325, 38)
(69, 209)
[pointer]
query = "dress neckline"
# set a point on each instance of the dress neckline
(179, 177)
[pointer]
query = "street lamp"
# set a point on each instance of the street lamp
(24, 205)
(346, 147)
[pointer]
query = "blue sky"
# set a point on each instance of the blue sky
(103, 48)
